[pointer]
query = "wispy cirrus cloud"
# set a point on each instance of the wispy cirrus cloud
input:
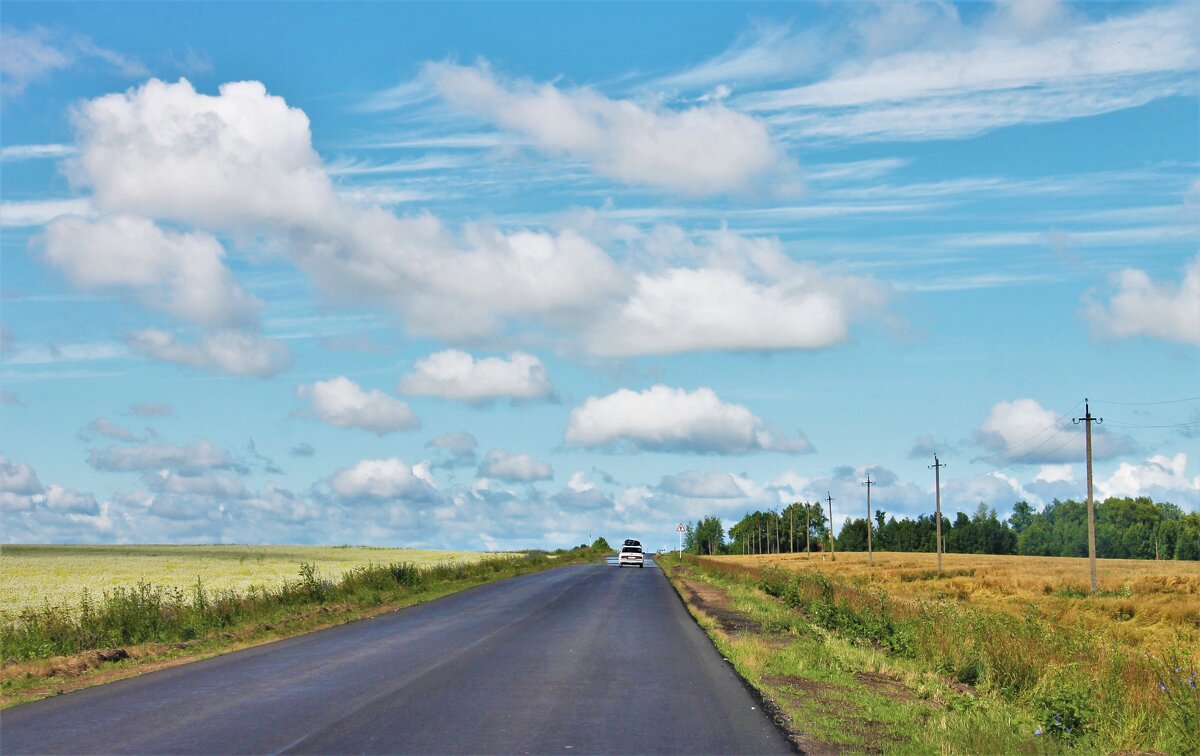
(15, 152)
(911, 72)
(29, 55)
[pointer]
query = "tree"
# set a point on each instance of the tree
(853, 536)
(708, 537)
(601, 545)
(1021, 517)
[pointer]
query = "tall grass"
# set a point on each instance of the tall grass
(1082, 686)
(147, 613)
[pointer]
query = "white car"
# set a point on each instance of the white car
(632, 556)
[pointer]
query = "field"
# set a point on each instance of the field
(998, 654)
(1141, 603)
(39, 576)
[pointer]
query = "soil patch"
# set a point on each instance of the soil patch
(716, 604)
(889, 687)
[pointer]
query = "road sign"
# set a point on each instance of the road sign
(681, 528)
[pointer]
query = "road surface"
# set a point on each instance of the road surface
(582, 659)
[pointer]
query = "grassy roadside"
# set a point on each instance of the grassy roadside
(128, 632)
(848, 680)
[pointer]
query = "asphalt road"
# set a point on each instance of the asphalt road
(584, 659)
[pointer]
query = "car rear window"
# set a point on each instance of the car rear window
(631, 550)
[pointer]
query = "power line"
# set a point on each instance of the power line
(1056, 425)
(1173, 425)
(1017, 460)
(1147, 404)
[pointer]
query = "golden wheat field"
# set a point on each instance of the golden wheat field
(1141, 603)
(36, 576)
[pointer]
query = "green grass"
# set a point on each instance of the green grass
(855, 670)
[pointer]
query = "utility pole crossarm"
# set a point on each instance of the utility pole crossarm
(1087, 420)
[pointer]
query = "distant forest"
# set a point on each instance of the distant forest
(1126, 528)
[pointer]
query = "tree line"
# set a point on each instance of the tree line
(1126, 528)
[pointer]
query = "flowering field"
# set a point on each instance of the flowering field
(37, 576)
(1141, 603)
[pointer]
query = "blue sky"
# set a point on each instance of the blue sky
(499, 275)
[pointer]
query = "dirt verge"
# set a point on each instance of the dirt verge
(798, 693)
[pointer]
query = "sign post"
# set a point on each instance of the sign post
(680, 530)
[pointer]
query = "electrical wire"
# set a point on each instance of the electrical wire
(1055, 426)
(1173, 425)
(1147, 404)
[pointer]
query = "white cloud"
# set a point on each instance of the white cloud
(454, 449)
(514, 467)
(699, 485)
(723, 291)
(382, 479)
(197, 457)
(232, 352)
(104, 428)
(456, 375)
(243, 161)
(1160, 476)
(666, 419)
(684, 310)
(21, 491)
(1055, 474)
(152, 409)
(168, 482)
(701, 150)
(343, 403)
(18, 478)
(579, 482)
(179, 273)
(41, 212)
(580, 498)
(1026, 432)
(70, 501)
(1141, 307)
(165, 151)
(283, 505)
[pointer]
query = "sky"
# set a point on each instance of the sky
(496, 276)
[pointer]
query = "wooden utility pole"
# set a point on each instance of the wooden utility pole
(868, 483)
(807, 530)
(832, 551)
(937, 485)
(792, 529)
(1087, 420)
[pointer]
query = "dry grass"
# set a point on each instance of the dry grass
(37, 576)
(1142, 603)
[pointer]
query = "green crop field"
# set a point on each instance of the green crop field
(38, 576)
